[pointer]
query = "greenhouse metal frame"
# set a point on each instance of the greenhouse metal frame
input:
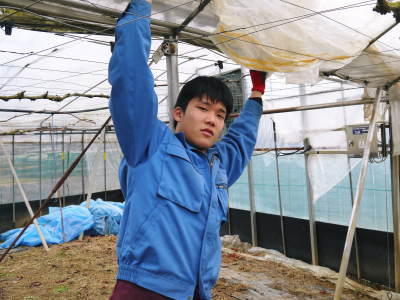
(253, 231)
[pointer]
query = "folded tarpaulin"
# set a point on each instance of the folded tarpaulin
(76, 219)
(107, 216)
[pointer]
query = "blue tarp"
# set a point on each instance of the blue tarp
(103, 217)
(107, 216)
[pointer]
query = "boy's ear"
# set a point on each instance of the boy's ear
(177, 113)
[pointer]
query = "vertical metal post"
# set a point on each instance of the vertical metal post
(278, 181)
(40, 169)
(358, 197)
(355, 233)
(395, 163)
(83, 163)
(105, 164)
(311, 210)
(252, 204)
(310, 195)
(13, 180)
(62, 199)
(172, 76)
(253, 221)
(351, 188)
(92, 175)
(395, 171)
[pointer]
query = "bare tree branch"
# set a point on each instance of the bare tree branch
(56, 98)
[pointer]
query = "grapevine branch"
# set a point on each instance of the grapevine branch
(56, 98)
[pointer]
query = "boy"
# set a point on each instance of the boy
(175, 185)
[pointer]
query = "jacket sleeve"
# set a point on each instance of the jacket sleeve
(237, 145)
(133, 102)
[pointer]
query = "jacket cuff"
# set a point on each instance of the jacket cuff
(257, 99)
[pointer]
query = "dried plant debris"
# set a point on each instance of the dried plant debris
(86, 270)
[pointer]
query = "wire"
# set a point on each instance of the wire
(369, 65)
(353, 29)
(60, 80)
(48, 70)
(290, 51)
(291, 19)
(314, 93)
(91, 40)
(343, 7)
(307, 85)
(52, 56)
(104, 30)
(40, 88)
(25, 7)
(46, 81)
(280, 153)
(199, 58)
(105, 63)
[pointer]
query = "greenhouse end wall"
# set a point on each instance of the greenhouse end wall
(38, 173)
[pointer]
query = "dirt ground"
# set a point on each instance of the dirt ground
(86, 270)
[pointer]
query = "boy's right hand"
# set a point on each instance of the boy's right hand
(258, 81)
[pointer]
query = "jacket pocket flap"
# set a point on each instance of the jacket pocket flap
(185, 195)
(177, 150)
(182, 184)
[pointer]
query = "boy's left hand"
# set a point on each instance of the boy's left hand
(258, 81)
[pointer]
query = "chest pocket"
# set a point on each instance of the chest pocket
(180, 182)
(221, 183)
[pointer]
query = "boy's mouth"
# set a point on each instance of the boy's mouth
(207, 132)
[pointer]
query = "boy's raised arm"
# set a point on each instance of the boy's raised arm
(133, 103)
(238, 143)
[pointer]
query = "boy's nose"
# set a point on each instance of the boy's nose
(210, 119)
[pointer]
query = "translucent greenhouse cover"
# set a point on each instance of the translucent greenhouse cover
(301, 38)
(297, 41)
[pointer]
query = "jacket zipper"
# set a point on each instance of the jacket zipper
(211, 163)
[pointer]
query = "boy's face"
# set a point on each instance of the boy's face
(202, 122)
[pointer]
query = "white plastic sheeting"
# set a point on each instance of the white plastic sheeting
(324, 128)
(302, 38)
(299, 36)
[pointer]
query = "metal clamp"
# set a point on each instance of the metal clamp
(166, 48)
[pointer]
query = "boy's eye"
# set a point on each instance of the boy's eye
(202, 108)
(222, 117)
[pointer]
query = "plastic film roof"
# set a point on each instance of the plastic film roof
(299, 40)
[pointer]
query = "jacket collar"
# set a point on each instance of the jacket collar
(209, 153)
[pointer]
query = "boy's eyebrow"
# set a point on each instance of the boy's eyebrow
(205, 101)
(222, 110)
(209, 102)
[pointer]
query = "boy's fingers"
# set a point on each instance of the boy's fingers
(258, 80)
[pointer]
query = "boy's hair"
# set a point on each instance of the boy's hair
(213, 88)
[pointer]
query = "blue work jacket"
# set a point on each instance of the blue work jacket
(176, 196)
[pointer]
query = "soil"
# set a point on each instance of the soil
(86, 270)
